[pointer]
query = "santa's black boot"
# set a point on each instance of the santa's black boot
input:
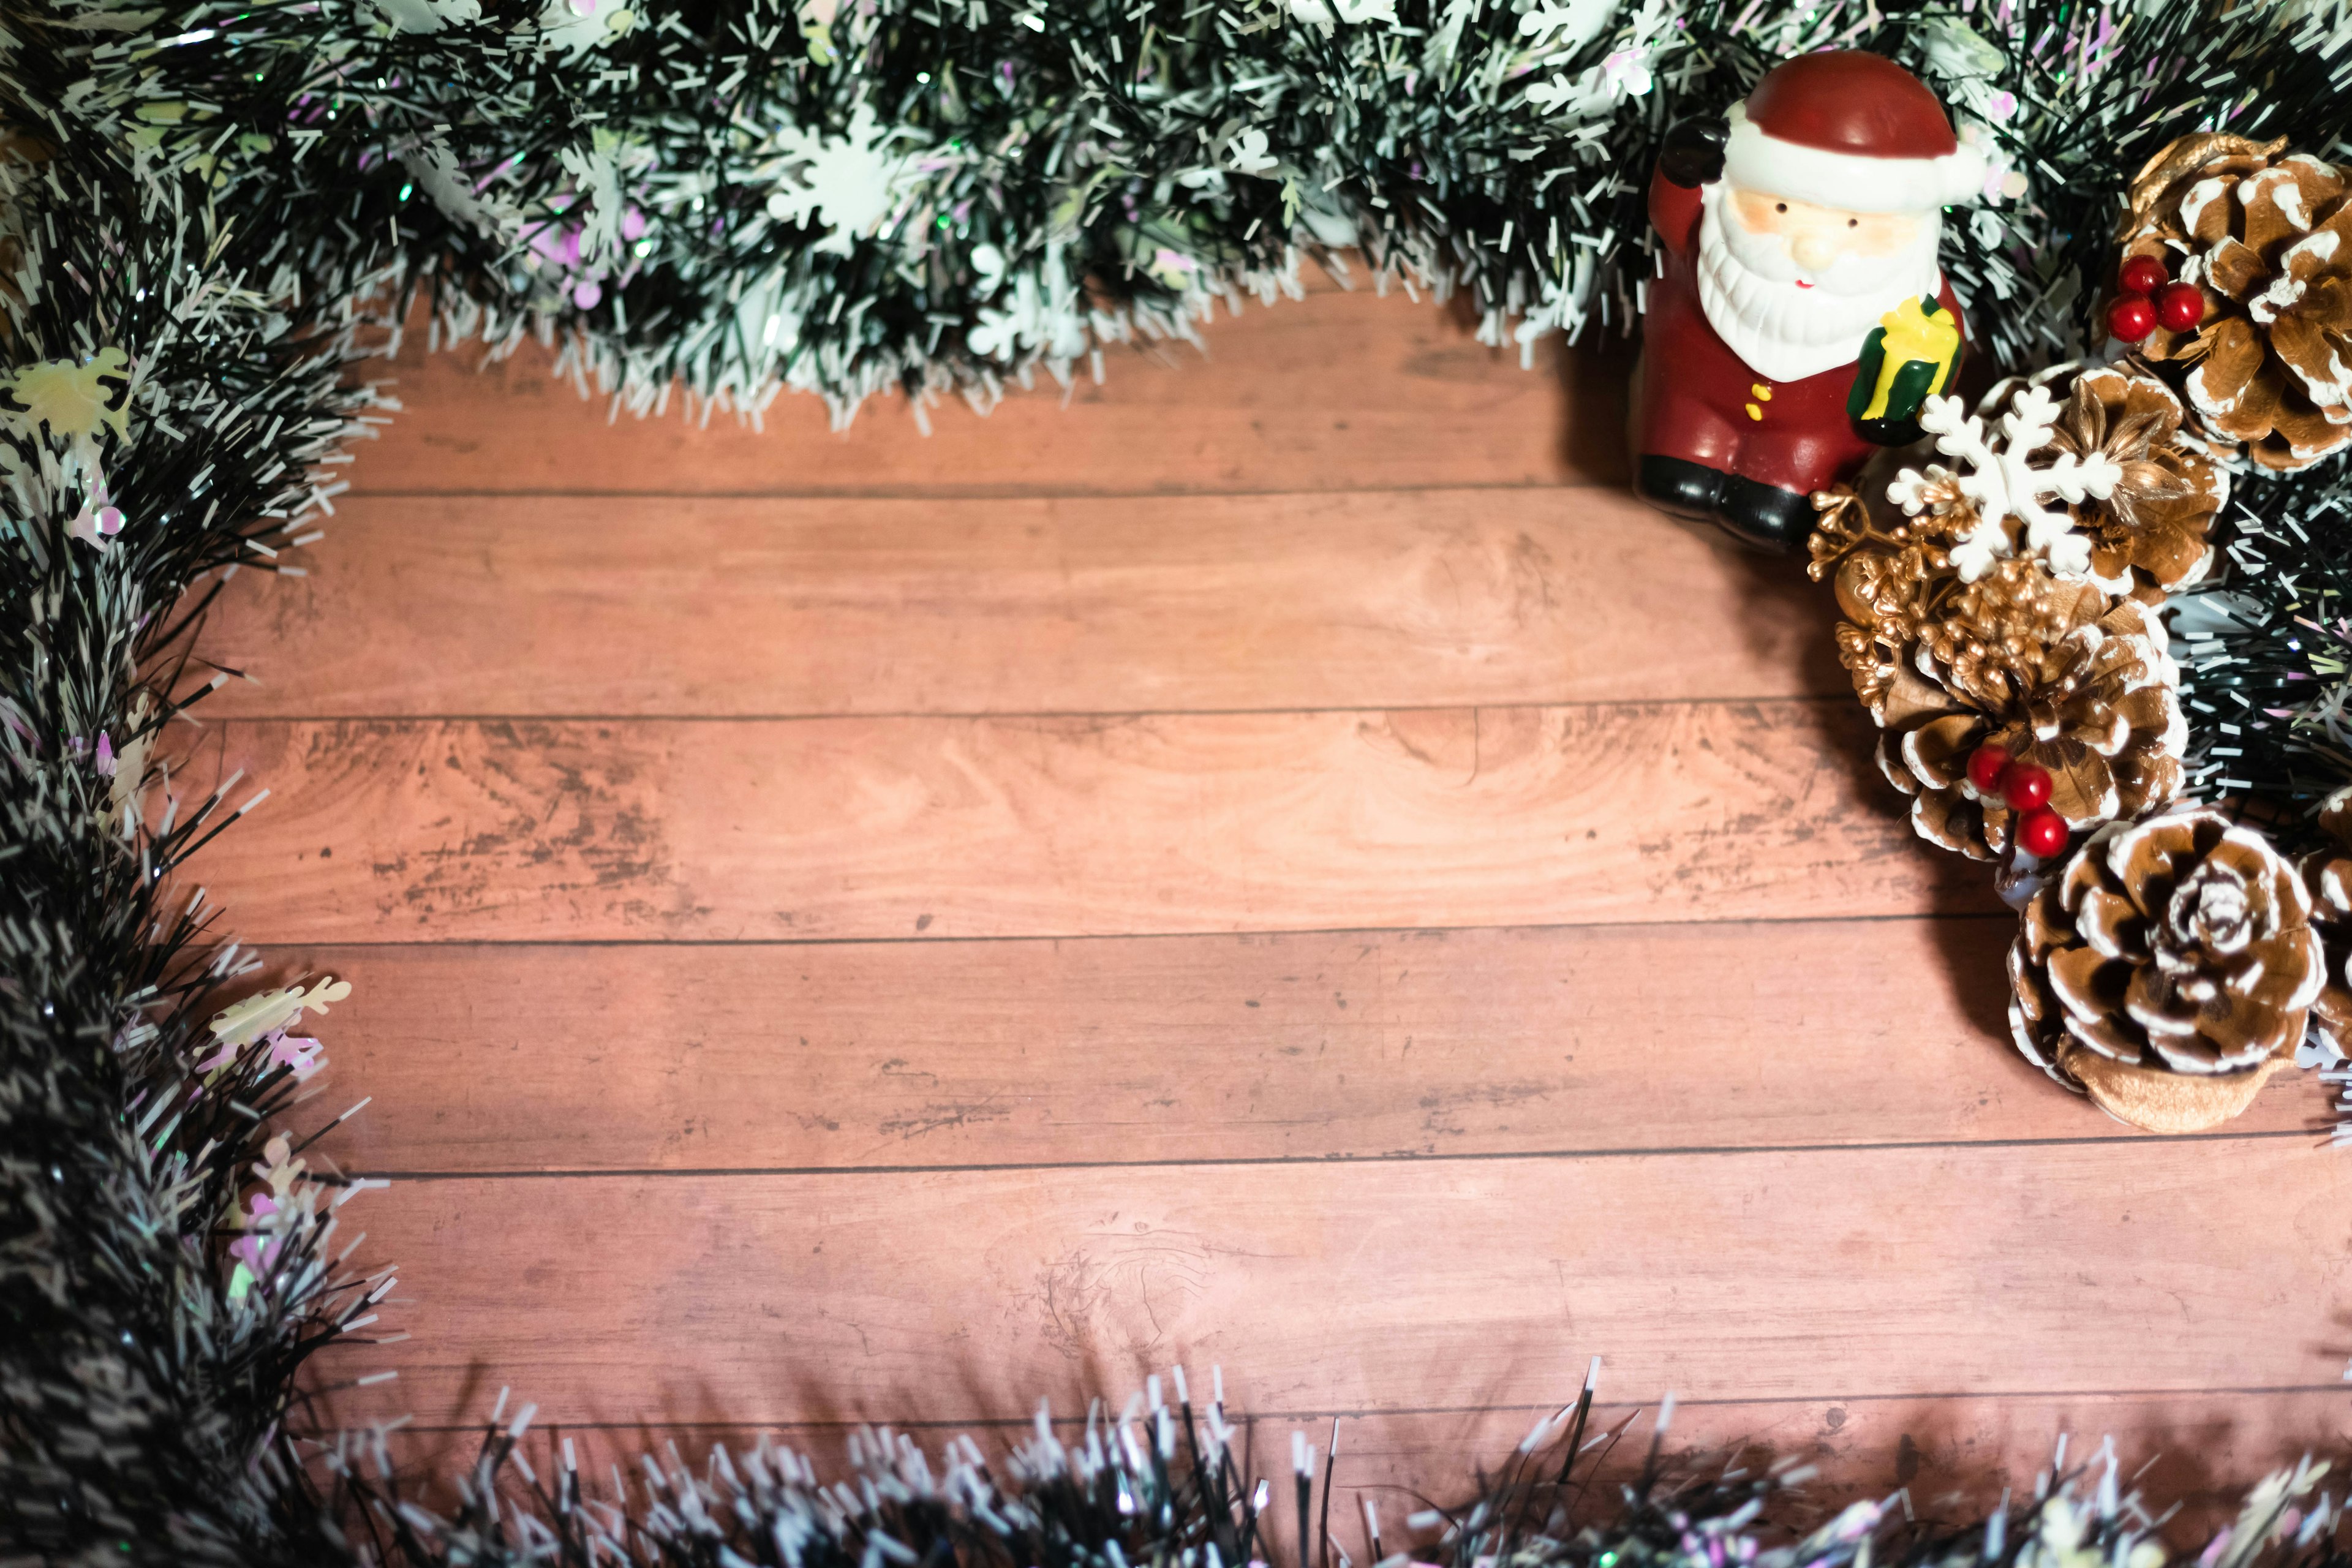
(1691, 491)
(1764, 516)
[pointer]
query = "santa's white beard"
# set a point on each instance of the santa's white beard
(1752, 291)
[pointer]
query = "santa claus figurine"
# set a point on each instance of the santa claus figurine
(1799, 316)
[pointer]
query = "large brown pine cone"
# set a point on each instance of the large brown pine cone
(2152, 531)
(2056, 674)
(2168, 970)
(2327, 877)
(2268, 239)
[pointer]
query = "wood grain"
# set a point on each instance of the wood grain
(1784, 1275)
(876, 828)
(545, 607)
(1307, 1046)
(1338, 392)
(1541, 967)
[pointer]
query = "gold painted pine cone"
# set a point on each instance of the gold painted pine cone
(2268, 240)
(2168, 970)
(2055, 673)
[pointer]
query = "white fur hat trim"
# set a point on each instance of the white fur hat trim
(1851, 182)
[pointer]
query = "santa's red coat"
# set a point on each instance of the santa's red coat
(1702, 403)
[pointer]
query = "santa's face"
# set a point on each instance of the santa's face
(1793, 287)
(1818, 238)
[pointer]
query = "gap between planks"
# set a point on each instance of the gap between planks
(2004, 918)
(1929, 916)
(666, 1173)
(1839, 703)
(1578, 488)
(1614, 1409)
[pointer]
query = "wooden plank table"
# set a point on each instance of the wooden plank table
(1273, 861)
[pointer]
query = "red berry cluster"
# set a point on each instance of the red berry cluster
(2147, 300)
(2041, 832)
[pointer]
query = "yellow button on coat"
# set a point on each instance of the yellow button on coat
(1754, 412)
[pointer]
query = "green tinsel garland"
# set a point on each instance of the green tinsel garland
(943, 194)
(207, 205)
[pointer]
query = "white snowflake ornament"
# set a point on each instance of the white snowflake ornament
(1354, 12)
(595, 173)
(987, 269)
(847, 185)
(1247, 153)
(270, 1011)
(572, 27)
(428, 15)
(447, 184)
(73, 399)
(1999, 481)
(1565, 24)
(1042, 312)
(1627, 72)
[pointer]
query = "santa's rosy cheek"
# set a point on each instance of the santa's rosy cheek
(1761, 214)
(1882, 236)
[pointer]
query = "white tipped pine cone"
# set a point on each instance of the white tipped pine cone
(2151, 533)
(2267, 240)
(2168, 970)
(2327, 877)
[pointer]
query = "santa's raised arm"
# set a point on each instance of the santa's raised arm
(1798, 313)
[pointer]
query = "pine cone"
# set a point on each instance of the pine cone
(2168, 972)
(2327, 877)
(2053, 672)
(1888, 570)
(2152, 531)
(2268, 239)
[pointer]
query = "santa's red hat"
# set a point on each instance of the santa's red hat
(1848, 129)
